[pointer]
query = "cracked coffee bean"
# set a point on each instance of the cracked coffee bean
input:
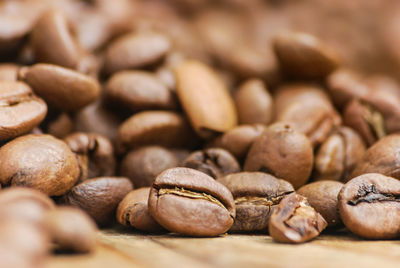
(323, 197)
(369, 206)
(133, 211)
(282, 152)
(143, 165)
(295, 221)
(20, 109)
(189, 202)
(94, 152)
(41, 162)
(215, 162)
(256, 196)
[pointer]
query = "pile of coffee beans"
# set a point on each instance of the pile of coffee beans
(198, 118)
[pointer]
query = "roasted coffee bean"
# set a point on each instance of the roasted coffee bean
(254, 103)
(142, 165)
(95, 154)
(256, 195)
(282, 152)
(41, 162)
(336, 158)
(25, 205)
(135, 50)
(205, 99)
(71, 229)
(99, 197)
(239, 139)
(382, 157)
(215, 162)
(369, 206)
(61, 126)
(8, 72)
(53, 42)
(163, 128)
(63, 88)
(138, 90)
(20, 109)
(295, 221)
(323, 197)
(133, 211)
(189, 202)
(308, 109)
(305, 56)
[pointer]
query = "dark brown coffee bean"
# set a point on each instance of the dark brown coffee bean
(369, 206)
(99, 197)
(163, 128)
(323, 197)
(138, 90)
(382, 157)
(95, 154)
(25, 205)
(307, 109)
(256, 195)
(283, 152)
(53, 42)
(205, 99)
(71, 229)
(295, 221)
(135, 50)
(142, 165)
(20, 109)
(336, 158)
(63, 88)
(133, 211)
(215, 162)
(189, 202)
(305, 56)
(254, 103)
(8, 71)
(239, 139)
(41, 162)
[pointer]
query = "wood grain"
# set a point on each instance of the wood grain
(122, 248)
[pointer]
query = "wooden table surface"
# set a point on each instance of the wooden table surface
(124, 248)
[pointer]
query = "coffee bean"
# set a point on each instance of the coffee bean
(20, 109)
(239, 139)
(256, 195)
(138, 90)
(8, 72)
(53, 42)
(254, 103)
(205, 99)
(41, 162)
(60, 127)
(215, 162)
(163, 128)
(189, 202)
(369, 206)
(99, 197)
(142, 165)
(381, 158)
(94, 152)
(303, 55)
(63, 88)
(135, 50)
(282, 152)
(71, 229)
(295, 221)
(133, 211)
(336, 158)
(323, 197)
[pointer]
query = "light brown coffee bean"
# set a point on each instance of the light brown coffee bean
(205, 99)
(8, 71)
(63, 88)
(99, 197)
(41, 162)
(71, 229)
(133, 211)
